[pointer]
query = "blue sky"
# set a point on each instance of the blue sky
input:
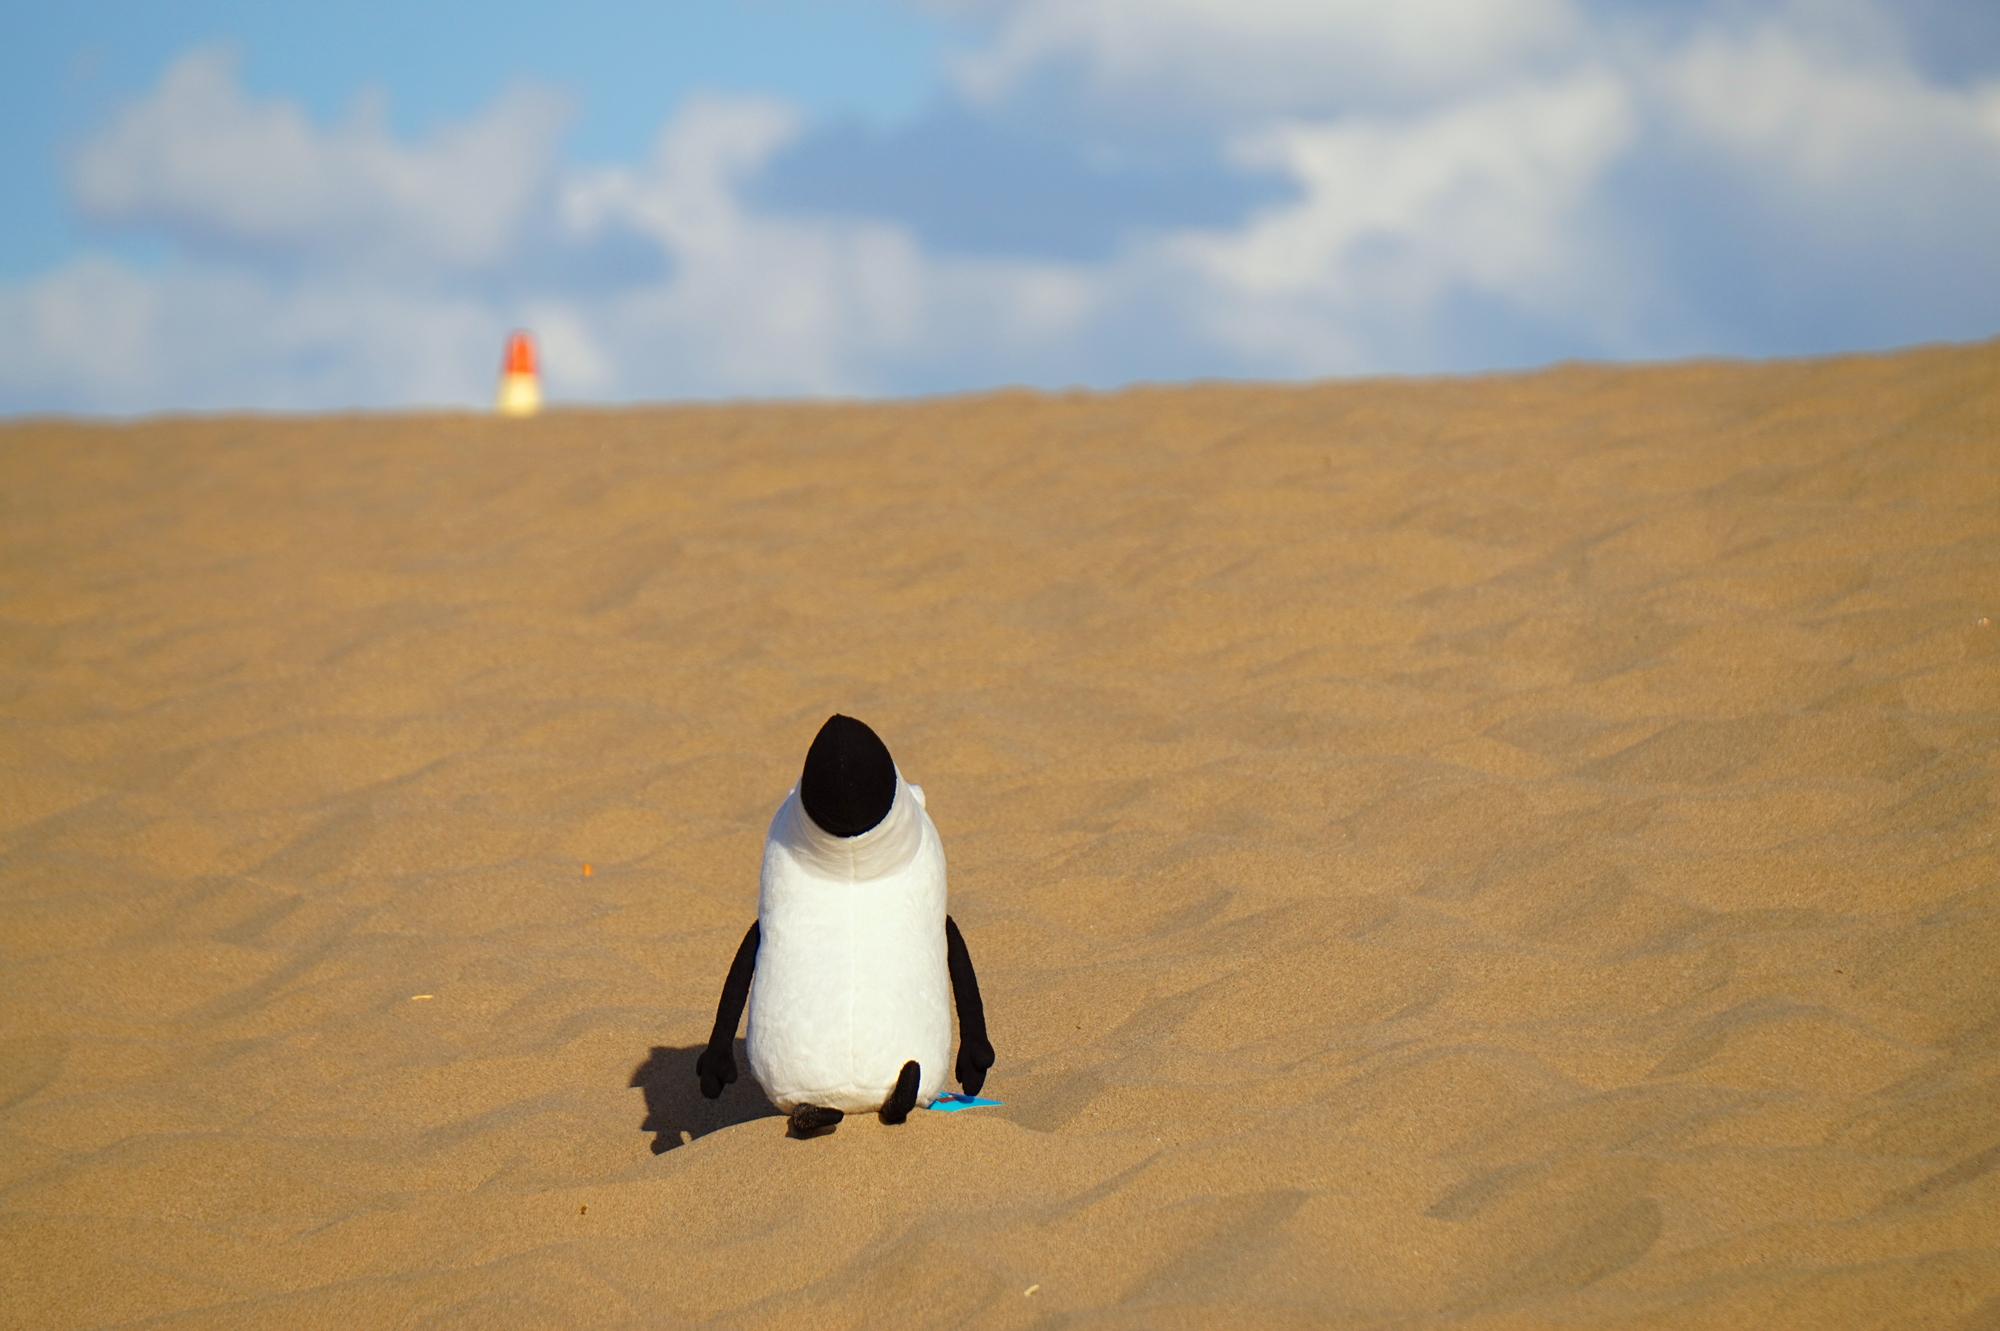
(216, 205)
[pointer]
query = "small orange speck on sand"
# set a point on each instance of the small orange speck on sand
(587, 871)
(1985, 621)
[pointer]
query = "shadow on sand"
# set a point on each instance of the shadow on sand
(674, 1103)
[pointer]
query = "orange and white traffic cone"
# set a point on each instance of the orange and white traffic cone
(520, 385)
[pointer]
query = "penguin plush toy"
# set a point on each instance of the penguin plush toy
(852, 965)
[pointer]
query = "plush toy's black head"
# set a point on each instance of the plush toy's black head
(850, 780)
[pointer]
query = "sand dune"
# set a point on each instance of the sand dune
(1498, 853)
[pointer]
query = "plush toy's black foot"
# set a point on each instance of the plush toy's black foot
(974, 1057)
(811, 1120)
(904, 1098)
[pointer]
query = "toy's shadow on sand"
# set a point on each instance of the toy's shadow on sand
(674, 1102)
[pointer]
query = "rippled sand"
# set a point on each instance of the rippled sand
(1500, 853)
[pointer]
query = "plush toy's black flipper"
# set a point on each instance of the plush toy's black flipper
(904, 1098)
(811, 1120)
(717, 1064)
(975, 1052)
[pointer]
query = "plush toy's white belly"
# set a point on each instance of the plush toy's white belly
(851, 981)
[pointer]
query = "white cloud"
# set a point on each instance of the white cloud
(1394, 216)
(1823, 116)
(104, 336)
(1479, 160)
(687, 195)
(762, 304)
(1863, 196)
(200, 159)
(1271, 56)
(750, 304)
